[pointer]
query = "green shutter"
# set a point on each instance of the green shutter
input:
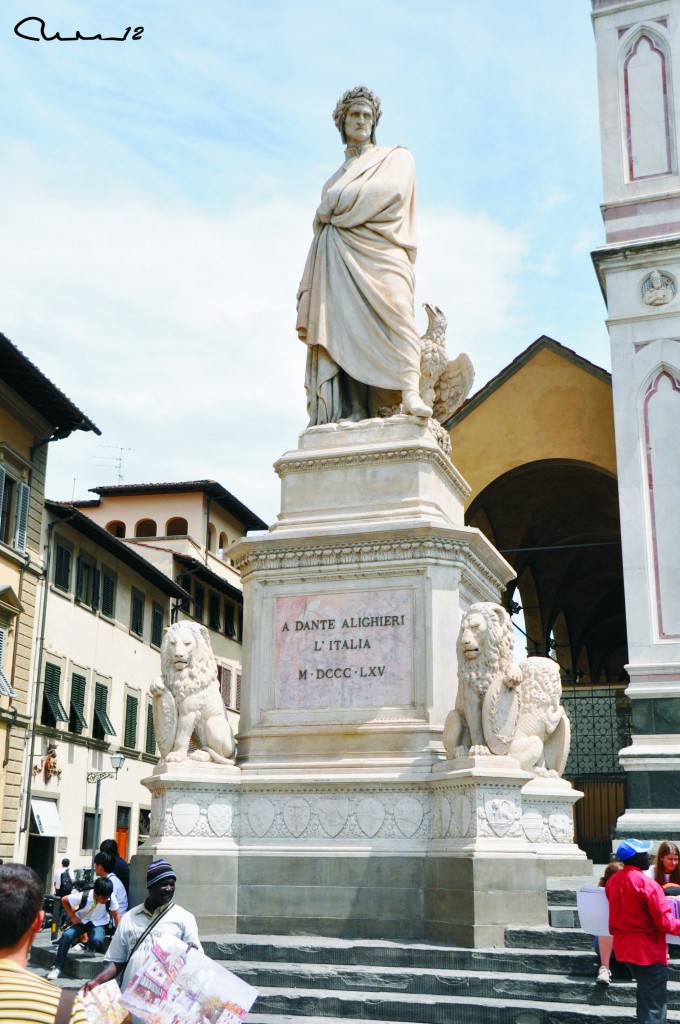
(80, 576)
(131, 705)
(150, 745)
(156, 625)
(237, 703)
(52, 679)
(62, 568)
(108, 594)
(77, 721)
(137, 619)
(96, 583)
(101, 697)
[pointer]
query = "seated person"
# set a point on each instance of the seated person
(89, 914)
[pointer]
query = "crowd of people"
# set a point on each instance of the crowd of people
(25, 996)
(643, 899)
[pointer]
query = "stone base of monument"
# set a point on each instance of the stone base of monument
(342, 818)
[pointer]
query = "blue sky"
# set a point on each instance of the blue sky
(157, 195)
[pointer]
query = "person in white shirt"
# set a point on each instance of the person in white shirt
(143, 924)
(89, 913)
(61, 875)
(104, 865)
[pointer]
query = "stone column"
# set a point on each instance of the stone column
(638, 51)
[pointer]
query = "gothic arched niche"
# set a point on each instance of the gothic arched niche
(646, 106)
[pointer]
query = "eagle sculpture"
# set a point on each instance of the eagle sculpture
(444, 383)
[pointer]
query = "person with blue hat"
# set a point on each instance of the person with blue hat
(640, 918)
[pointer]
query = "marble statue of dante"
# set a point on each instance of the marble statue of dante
(355, 302)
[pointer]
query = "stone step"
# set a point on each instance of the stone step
(548, 938)
(278, 1005)
(564, 897)
(77, 966)
(359, 953)
(481, 984)
(563, 917)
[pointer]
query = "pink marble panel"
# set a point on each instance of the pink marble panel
(347, 650)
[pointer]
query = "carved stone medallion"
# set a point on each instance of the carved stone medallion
(532, 825)
(261, 815)
(185, 815)
(296, 815)
(500, 814)
(560, 826)
(442, 816)
(220, 817)
(408, 814)
(370, 815)
(333, 814)
(462, 813)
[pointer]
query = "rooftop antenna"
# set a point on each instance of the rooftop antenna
(115, 461)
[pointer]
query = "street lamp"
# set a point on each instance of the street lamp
(117, 761)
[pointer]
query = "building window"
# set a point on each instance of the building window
(146, 528)
(137, 614)
(77, 721)
(62, 567)
(6, 688)
(199, 602)
(87, 582)
(101, 726)
(14, 500)
(230, 619)
(224, 541)
(212, 537)
(130, 734)
(150, 738)
(185, 583)
(108, 594)
(88, 832)
(214, 616)
(177, 527)
(144, 826)
(116, 528)
(52, 708)
(157, 618)
(224, 679)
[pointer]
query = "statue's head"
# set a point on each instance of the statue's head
(352, 100)
(186, 645)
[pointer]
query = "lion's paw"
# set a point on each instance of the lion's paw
(479, 751)
(199, 755)
(175, 755)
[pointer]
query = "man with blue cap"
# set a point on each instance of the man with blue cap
(640, 918)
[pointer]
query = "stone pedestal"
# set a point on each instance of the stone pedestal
(342, 818)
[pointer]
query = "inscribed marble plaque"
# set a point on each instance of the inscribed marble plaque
(348, 650)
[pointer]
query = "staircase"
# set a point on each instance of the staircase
(540, 976)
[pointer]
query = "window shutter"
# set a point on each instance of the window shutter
(131, 704)
(108, 590)
(6, 688)
(62, 568)
(101, 697)
(137, 621)
(238, 691)
(156, 625)
(53, 710)
(77, 721)
(21, 531)
(229, 627)
(80, 573)
(96, 583)
(150, 745)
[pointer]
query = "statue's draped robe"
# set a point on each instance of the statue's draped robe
(355, 302)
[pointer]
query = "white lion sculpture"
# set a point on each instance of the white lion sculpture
(502, 707)
(187, 704)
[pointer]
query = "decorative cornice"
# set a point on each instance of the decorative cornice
(313, 462)
(355, 553)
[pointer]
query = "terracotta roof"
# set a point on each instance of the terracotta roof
(116, 548)
(31, 384)
(517, 363)
(211, 488)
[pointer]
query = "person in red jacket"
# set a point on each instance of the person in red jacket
(640, 918)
